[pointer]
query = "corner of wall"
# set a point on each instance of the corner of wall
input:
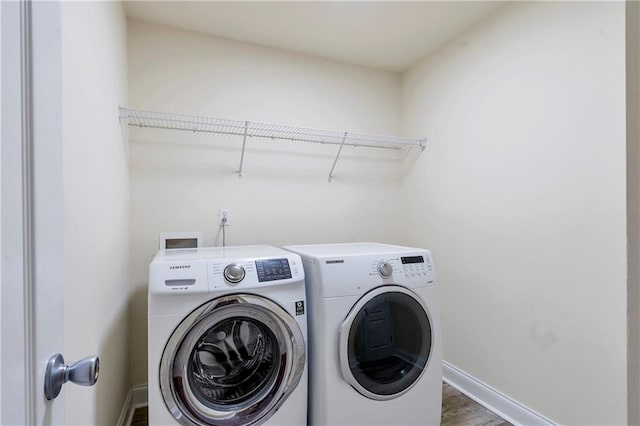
(632, 13)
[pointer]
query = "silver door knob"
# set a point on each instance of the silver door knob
(84, 373)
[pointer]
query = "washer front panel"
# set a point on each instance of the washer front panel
(385, 342)
(232, 361)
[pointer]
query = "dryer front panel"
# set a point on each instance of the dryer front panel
(233, 361)
(385, 342)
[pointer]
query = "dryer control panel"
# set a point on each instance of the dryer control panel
(415, 266)
(409, 266)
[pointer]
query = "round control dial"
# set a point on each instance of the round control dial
(385, 269)
(234, 273)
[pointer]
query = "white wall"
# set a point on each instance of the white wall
(521, 197)
(283, 196)
(96, 206)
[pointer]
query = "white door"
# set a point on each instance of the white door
(32, 299)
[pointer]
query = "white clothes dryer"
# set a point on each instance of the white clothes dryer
(227, 337)
(375, 347)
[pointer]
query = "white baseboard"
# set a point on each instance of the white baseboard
(494, 400)
(140, 395)
(136, 397)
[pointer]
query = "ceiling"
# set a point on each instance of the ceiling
(389, 35)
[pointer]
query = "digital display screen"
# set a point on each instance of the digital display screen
(273, 269)
(181, 243)
(412, 259)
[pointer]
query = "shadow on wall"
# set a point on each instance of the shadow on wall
(270, 159)
(138, 332)
(113, 383)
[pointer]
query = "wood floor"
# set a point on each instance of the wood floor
(460, 410)
(457, 410)
(140, 417)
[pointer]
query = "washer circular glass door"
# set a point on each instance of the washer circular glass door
(232, 361)
(385, 342)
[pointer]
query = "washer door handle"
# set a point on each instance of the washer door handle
(84, 373)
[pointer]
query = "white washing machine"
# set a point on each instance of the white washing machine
(227, 337)
(375, 351)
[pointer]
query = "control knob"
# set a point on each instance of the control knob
(385, 269)
(234, 273)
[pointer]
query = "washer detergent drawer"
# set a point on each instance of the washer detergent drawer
(178, 277)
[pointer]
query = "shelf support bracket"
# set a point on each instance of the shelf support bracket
(123, 113)
(344, 138)
(123, 116)
(244, 142)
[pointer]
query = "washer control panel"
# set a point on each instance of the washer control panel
(203, 270)
(254, 273)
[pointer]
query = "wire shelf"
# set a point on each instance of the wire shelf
(249, 129)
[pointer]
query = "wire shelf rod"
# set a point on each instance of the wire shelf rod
(282, 138)
(247, 129)
(176, 122)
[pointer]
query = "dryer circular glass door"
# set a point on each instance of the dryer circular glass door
(232, 361)
(385, 342)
